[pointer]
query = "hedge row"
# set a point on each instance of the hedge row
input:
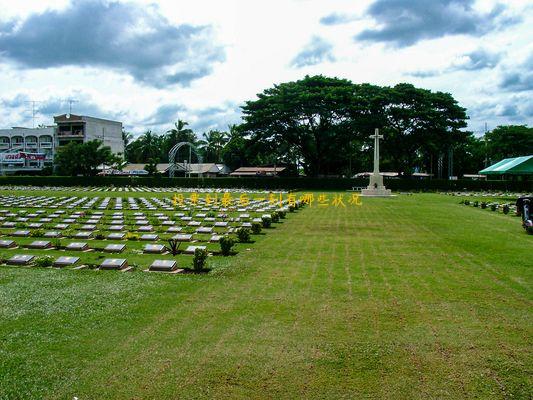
(268, 183)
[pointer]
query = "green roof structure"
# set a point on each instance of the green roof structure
(511, 166)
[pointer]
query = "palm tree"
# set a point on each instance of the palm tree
(126, 137)
(212, 144)
(149, 145)
(180, 134)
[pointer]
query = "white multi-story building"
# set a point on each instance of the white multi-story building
(81, 128)
(31, 149)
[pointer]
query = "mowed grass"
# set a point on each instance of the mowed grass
(413, 297)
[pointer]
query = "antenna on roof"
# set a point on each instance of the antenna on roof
(33, 110)
(70, 102)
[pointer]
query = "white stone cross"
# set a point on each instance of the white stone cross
(376, 136)
(376, 187)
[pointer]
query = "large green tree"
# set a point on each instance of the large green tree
(84, 158)
(420, 127)
(325, 123)
(235, 152)
(311, 121)
(509, 141)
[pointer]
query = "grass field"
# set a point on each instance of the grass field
(413, 297)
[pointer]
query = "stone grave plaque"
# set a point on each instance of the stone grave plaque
(163, 265)
(20, 259)
(7, 244)
(88, 227)
(52, 234)
(40, 244)
(115, 248)
(192, 249)
(149, 236)
(154, 248)
(114, 263)
(83, 235)
(182, 237)
(65, 261)
(77, 246)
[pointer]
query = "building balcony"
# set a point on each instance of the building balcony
(4, 145)
(67, 134)
(46, 145)
(31, 144)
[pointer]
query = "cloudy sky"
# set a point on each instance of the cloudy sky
(148, 63)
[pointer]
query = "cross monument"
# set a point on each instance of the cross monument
(376, 187)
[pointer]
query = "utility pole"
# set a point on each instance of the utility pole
(33, 110)
(486, 148)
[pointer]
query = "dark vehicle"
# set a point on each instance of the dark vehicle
(523, 208)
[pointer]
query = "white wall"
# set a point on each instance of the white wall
(110, 133)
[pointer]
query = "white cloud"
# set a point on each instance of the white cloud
(260, 39)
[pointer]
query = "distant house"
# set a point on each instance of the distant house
(208, 170)
(258, 171)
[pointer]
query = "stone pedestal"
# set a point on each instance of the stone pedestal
(379, 192)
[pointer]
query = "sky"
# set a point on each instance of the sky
(148, 63)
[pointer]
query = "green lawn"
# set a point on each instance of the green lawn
(414, 297)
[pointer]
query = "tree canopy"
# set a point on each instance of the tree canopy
(321, 126)
(325, 123)
(509, 141)
(84, 158)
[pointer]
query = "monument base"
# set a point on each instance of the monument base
(379, 192)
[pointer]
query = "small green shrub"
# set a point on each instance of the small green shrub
(282, 214)
(44, 261)
(275, 217)
(467, 202)
(476, 203)
(483, 205)
(256, 228)
(267, 221)
(493, 207)
(210, 214)
(226, 244)
(37, 233)
(200, 259)
(99, 236)
(131, 236)
(243, 234)
(506, 209)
